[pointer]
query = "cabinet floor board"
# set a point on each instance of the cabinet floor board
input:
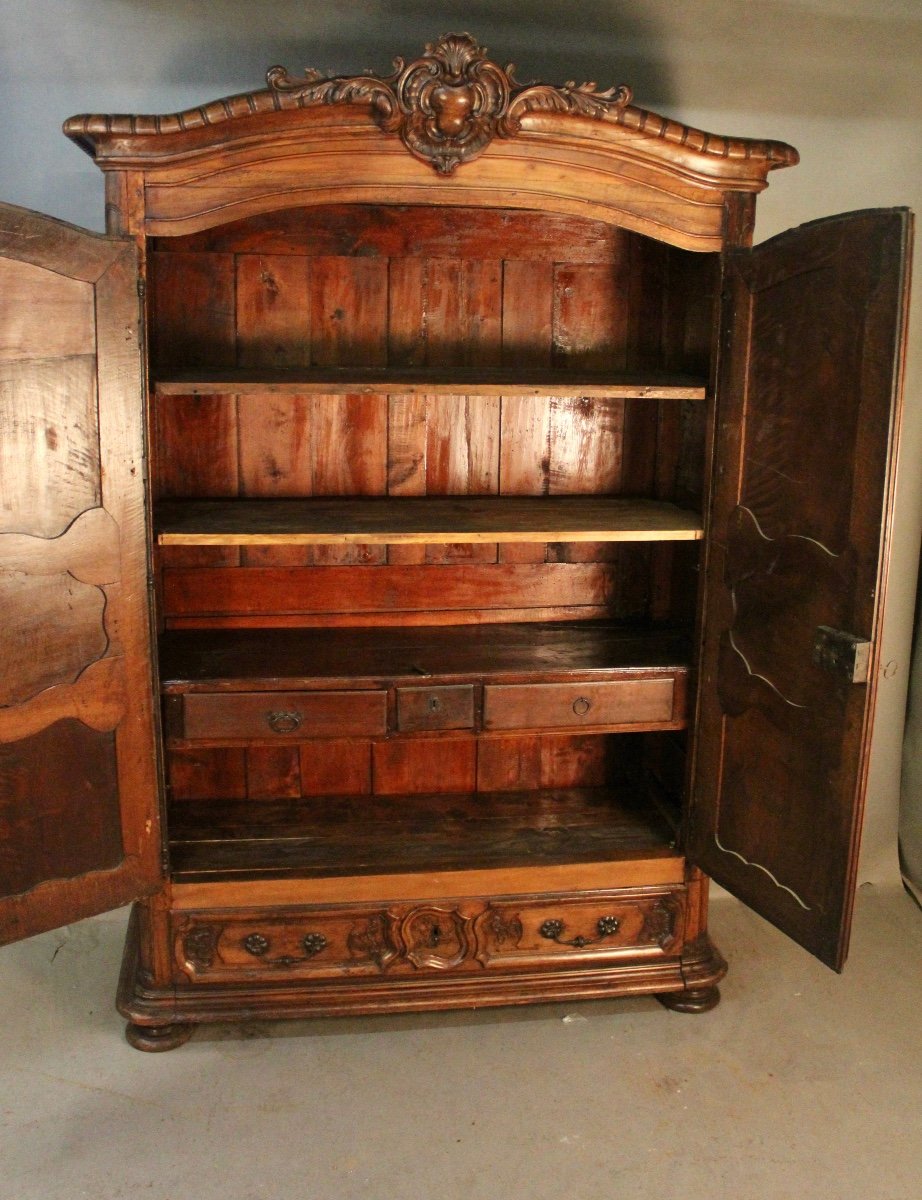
(365, 835)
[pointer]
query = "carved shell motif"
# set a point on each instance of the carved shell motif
(449, 104)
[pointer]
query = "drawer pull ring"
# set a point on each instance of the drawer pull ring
(553, 929)
(581, 706)
(284, 722)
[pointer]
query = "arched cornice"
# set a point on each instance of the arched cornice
(453, 111)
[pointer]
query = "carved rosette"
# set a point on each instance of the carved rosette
(450, 103)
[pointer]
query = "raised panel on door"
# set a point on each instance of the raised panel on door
(79, 806)
(808, 389)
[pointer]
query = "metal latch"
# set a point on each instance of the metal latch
(842, 653)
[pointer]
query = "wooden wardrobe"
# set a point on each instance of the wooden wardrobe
(432, 543)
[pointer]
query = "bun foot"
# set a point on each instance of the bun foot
(154, 1038)
(692, 1000)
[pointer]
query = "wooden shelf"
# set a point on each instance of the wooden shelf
(650, 385)
(213, 660)
(313, 837)
(386, 520)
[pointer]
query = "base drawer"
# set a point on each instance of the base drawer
(444, 936)
(259, 946)
(547, 931)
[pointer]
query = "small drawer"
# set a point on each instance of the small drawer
(578, 705)
(435, 708)
(545, 931)
(218, 948)
(290, 715)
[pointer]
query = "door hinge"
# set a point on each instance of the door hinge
(842, 654)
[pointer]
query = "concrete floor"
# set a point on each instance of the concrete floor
(801, 1084)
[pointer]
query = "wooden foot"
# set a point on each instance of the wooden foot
(155, 1038)
(692, 1000)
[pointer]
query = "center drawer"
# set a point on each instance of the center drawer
(284, 714)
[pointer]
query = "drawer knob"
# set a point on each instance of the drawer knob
(581, 706)
(284, 722)
(256, 944)
(553, 930)
(313, 943)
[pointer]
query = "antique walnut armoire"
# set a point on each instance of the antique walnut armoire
(432, 542)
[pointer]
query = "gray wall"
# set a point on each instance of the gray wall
(837, 78)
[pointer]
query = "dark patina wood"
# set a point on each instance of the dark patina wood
(807, 405)
(79, 812)
(364, 835)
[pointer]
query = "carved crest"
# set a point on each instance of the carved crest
(449, 104)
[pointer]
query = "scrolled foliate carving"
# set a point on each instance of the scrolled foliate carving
(450, 103)
(659, 925)
(199, 945)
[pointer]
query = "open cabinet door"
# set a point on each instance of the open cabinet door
(79, 808)
(812, 329)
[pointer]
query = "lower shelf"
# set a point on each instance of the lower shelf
(325, 836)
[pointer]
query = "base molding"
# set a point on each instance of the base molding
(161, 1018)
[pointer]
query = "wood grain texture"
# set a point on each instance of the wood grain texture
(815, 324)
(286, 659)
(572, 152)
(511, 381)
(422, 885)
(47, 828)
(49, 465)
(436, 519)
(279, 591)
(405, 233)
(46, 315)
(451, 831)
(81, 812)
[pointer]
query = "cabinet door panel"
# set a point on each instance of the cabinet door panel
(79, 827)
(812, 330)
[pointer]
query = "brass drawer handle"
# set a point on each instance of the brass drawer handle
(284, 722)
(581, 706)
(605, 927)
(258, 945)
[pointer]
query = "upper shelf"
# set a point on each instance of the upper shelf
(650, 385)
(388, 520)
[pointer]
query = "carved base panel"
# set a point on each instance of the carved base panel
(240, 964)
